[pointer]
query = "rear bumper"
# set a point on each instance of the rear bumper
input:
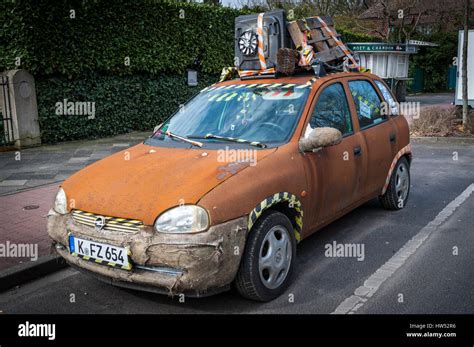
(195, 264)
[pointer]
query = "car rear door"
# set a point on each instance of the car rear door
(377, 130)
(334, 173)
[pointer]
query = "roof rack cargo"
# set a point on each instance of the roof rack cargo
(267, 45)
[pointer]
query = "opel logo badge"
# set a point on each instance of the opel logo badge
(99, 223)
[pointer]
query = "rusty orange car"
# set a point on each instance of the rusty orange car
(221, 193)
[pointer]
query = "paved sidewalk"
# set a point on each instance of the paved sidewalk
(28, 187)
(23, 222)
(47, 164)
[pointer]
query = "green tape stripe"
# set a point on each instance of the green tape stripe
(274, 85)
(231, 96)
(212, 97)
(274, 199)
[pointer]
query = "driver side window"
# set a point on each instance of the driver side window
(332, 110)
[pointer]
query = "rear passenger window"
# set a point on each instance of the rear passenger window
(332, 110)
(367, 103)
(391, 106)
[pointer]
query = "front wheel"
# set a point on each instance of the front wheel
(269, 257)
(396, 196)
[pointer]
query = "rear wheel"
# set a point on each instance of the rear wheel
(396, 196)
(269, 257)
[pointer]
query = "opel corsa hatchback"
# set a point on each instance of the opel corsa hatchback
(224, 189)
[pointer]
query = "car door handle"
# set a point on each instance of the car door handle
(393, 137)
(357, 151)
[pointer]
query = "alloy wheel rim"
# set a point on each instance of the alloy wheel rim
(275, 257)
(402, 182)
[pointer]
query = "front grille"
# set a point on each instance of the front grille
(111, 223)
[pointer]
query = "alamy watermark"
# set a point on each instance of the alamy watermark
(230, 155)
(410, 109)
(19, 250)
(345, 250)
(28, 329)
(75, 108)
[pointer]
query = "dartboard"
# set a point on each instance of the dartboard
(248, 43)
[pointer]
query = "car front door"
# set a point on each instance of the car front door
(334, 173)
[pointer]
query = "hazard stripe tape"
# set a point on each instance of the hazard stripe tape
(261, 56)
(222, 96)
(269, 86)
(108, 220)
(276, 198)
(247, 73)
(230, 97)
(404, 150)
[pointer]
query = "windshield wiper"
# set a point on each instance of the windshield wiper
(184, 139)
(229, 139)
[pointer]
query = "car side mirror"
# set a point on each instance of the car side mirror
(319, 138)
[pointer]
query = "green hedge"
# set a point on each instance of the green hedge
(122, 103)
(104, 33)
(350, 36)
(82, 59)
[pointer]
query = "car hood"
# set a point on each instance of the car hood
(143, 181)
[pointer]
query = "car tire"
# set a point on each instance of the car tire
(396, 196)
(269, 257)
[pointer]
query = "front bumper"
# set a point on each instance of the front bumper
(195, 264)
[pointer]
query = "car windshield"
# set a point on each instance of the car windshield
(263, 113)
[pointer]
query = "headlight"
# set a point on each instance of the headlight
(183, 219)
(60, 204)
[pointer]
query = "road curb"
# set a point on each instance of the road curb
(29, 271)
(27, 189)
(438, 139)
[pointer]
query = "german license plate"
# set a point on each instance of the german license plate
(100, 253)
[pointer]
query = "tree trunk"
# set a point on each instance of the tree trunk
(465, 108)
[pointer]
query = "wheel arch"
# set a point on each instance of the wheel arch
(284, 202)
(405, 152)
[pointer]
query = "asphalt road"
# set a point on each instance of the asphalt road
(432, 99)
(437, 278)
